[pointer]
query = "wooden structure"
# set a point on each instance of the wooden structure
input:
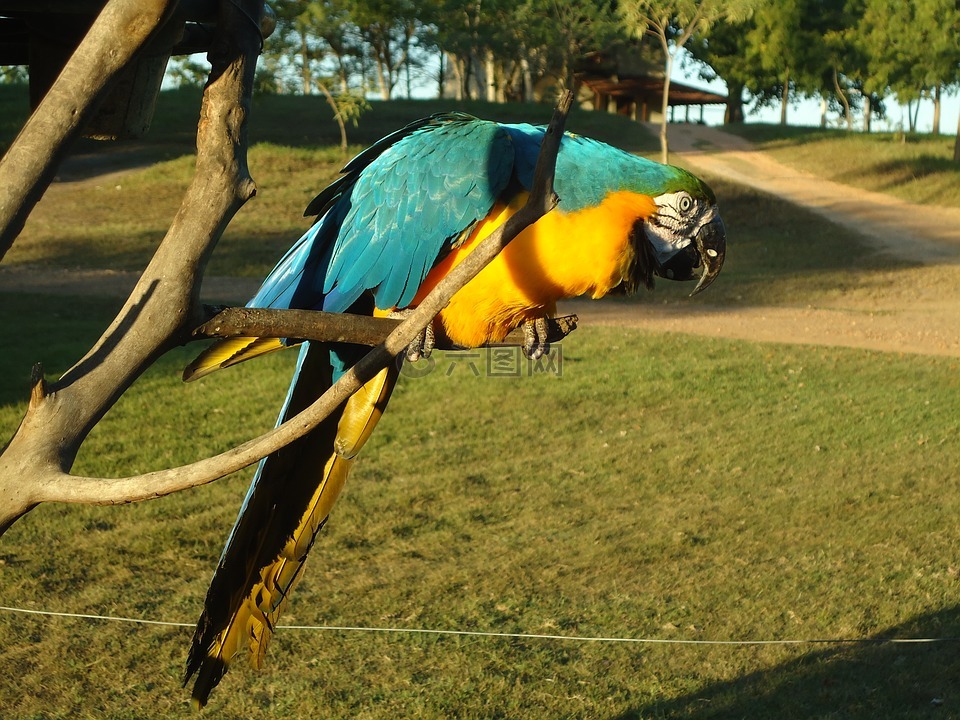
(42, 34)
(622, 82)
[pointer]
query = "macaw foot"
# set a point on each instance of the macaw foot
(423, 344)
(535, 338)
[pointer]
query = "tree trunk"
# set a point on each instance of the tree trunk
(664, 109)
(527, 78)
(382, 81)
(843, 99)
(490, 76)
(734, 112)
(406, 64)
(337, 116)
(936, 111)
(956, 143)
(867, 112)
(785, 98)
(306, 77)
(456, 65)
(823, 111)
(470, 80)
(441, 77)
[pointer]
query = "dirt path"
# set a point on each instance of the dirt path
(925, 324)
(922, 233)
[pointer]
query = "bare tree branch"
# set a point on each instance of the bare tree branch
(119, 32)
(59, 487)
(336, 327)
(164, 306)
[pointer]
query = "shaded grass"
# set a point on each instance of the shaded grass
(664, 486)
(298, 121)
(117, 221)
(917, 168)
(779, 253)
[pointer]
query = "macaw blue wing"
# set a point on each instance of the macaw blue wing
(400, 206)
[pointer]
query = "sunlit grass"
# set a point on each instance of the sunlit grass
(917, 168)
(665, 486)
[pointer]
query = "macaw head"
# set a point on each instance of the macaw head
(686, 235)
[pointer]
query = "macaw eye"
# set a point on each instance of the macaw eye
(686, 202)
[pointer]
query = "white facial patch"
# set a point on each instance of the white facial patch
(678, 218)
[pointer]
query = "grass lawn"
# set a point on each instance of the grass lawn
(917, 168)
(117, 222)
(664, 486)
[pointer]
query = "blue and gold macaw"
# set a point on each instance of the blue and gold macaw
(406, 211)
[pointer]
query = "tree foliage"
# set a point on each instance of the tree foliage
(673, 23)
(911, 49)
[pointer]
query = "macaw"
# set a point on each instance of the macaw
(404, 212)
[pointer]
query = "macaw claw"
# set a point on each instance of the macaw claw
(535, 338)
(423, 344)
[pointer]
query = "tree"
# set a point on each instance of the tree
(563, 31)
(779, 45)
(841, 62)
(912, 49)
(723, 51)
(13, 74)
(673, 23)
(478, 39)
(387, 28)
(319, 41)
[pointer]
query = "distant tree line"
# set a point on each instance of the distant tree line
(468, 49)
(851, 54)
(854, 55)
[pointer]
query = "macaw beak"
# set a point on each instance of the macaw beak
(706, 251)
(711, 244)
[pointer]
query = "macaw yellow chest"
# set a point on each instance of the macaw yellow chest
(564, 254)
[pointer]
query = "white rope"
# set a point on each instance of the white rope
(515, 636)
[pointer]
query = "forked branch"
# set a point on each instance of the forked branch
(109, 491)
(164, 306)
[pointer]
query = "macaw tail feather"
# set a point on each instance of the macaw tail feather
(224, 353)
(284, 511)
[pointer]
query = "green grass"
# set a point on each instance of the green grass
(917, 168)
(299, 121)
(663, 487)
(117, 222)
(779, 253)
